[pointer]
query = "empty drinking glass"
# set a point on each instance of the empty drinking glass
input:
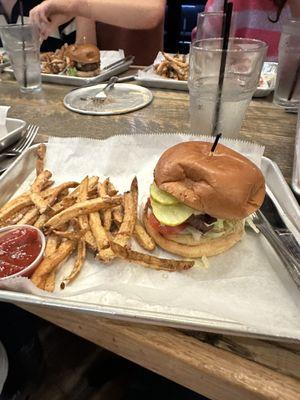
(22, 45)
(209, 25)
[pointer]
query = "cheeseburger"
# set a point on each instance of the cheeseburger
(85, 58)
(199, 201)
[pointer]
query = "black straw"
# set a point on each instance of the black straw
(23, 43)
(225, 35)
(213, 148)
(294, 84)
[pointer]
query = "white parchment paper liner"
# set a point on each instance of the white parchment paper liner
(247, 284)
(108, 57)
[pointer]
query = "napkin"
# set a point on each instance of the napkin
(3, 114)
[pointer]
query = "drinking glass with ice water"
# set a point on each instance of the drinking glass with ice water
(22, 45)
(244, 60)
(287, 89)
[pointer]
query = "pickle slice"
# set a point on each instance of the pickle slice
(161, 196)
(171, 215)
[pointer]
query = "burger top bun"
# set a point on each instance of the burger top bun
(225, 185)
(84, 53)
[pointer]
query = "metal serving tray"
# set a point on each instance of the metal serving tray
(79, 81)
(14, 177)
(155, 81)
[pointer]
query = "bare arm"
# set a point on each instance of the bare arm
(85, 31)
(131, 14)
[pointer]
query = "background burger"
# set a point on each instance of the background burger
(85, 58)
(198, 203)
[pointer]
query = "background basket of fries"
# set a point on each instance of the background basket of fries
(167, 72)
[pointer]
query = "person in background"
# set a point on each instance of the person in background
(133, 25)
(10, 14)
(260, 19)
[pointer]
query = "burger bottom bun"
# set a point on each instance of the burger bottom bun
(88, 74)
(206, 248)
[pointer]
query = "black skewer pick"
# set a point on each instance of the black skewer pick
(213, 147)
(225, 36)
(23, 43)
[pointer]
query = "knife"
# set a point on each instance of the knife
(271, 213)
(116, 63)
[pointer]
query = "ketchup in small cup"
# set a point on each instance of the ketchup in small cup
(21, 250)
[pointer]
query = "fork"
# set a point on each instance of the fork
(291, 263)
(23, 143)
(101, 95)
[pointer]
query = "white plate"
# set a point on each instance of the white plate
(107, 57)
(123, 98)
(149, 78)
(14, 129)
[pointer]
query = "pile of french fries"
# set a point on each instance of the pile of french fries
(56, 62)
(173, 67)
(81, 217)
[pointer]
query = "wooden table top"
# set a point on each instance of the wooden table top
(217, 366)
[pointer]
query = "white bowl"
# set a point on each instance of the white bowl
(14, 129)
(28, 270)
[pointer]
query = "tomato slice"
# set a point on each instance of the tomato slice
(164, 229)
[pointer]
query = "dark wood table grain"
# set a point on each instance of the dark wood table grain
(220, 367)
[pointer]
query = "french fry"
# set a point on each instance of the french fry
(118, 215)
(33, 214)
(18, 216)
(53, 242)
(36, 188)
(175, 60)
(83, 220)
(71, 235)
(81, 255)
(82, 208)
(98, 231)
(103, 192)
(14, 207)
(50, 263)
(130, 214)
(40, 161)
(57, 208)
(142, 237)
(93, 181)
(29, 216)
(49, 285)
(23, 200)
(111, 190)
(150, 261)
(53, 193)
(106, 255)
